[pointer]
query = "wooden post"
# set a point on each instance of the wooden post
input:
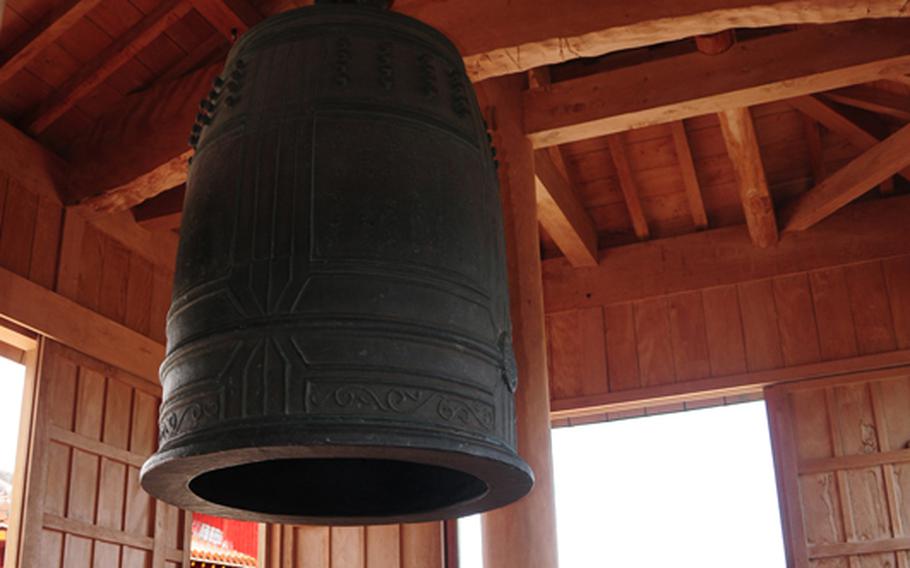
(522, 535)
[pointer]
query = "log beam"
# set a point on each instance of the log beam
(562, 214)
(742, 147)
(107, 63)
(749, 73)
(162, 212)
(871, 168)
(545, 32)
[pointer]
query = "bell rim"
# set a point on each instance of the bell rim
(167, 475)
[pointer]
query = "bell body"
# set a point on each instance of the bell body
(339, 346)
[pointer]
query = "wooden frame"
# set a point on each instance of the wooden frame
(29, 345)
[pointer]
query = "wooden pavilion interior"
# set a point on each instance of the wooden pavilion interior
(705, 201)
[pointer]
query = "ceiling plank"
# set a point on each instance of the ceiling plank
(871, 168)
(835, 121)
(749, 73)
(628, 186)
(867, 230)
(26, 48)
(562, 214)
(545, 32)
(162, 212)
(742, 147)
(110, 60)
(232, 18)
(816, 150)
(690, 178)
(140, 148)
(873, 100)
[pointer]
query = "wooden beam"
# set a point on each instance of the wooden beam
(749, 73)
(867, 230)
(871, 168)
(36, 40)
(873, 100)
(879, 364)
(162, 212)
(109, 61)
(902, 79)
(145, 186)
(524, 533)
(562, 214)
(628, 186)
(742, 147)
(544, 32)
(715, 44)
(231, 18)
(38, 309)
(690, 178)
(140, 148)
(837, 122)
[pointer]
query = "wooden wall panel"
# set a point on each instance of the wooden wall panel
(841, 451)
(106, 276)
(389, 546)
(30, 225)
(94, 427)
(723, 335)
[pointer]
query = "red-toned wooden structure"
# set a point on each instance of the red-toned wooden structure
(704, 201)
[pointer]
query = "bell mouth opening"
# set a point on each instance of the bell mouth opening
(337, 487)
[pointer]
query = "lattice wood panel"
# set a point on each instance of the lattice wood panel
(94, 425)
(842, 452)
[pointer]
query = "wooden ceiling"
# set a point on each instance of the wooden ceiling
(650, 121)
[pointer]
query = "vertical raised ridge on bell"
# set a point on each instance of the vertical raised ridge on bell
(340, 310)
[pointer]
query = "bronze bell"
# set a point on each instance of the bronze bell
(339, 347)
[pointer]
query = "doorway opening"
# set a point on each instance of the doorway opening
(12, 390)
(692, 488)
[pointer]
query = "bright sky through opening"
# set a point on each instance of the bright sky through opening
(12, 380)
(688, 489)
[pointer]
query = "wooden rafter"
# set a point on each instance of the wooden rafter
(162, 212)
(62, 18)
(749, 73)
(873, 100)
(837, 122)
(871, 168)
(231, 18)
(628, 186)
(690, 178)
(110, 60)
(742, 147)
(562, 214)
(544, 32)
